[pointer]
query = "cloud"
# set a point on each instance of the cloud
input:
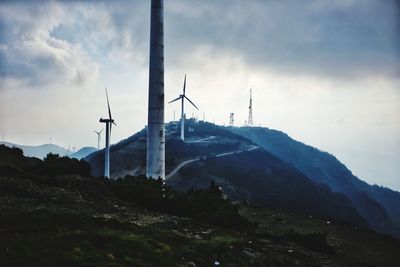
(68, 41)
(326, 72)
(31, 54)
(343, 39)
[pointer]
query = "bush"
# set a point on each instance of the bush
(207, 205)
(54, 165)
(8, 152)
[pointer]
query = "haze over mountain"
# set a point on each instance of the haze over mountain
(83, 152)
(39, 151)
(248, 171)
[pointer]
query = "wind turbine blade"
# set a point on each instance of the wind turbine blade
(108, 104)
(184, 85)
(174, 100)
(101, 130)
(191, 102)
(114, 123)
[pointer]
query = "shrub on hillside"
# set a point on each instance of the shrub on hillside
(10, 152)
(54, 165)
(207, 205)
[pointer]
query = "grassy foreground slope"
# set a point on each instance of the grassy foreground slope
(48, 218)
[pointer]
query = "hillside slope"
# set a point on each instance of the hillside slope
(378, 205)
(128, 157)
(73, 219)
(260, 178)
(254, 176)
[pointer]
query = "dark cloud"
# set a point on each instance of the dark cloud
(334, 38)
(66, 40)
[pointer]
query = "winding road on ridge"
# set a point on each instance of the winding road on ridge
(184, 163)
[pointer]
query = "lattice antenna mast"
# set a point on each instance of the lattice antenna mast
(231, 119)
(250, 120)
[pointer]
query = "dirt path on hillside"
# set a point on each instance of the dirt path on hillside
(184, 163)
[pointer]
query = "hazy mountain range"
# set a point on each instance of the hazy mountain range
(263, 167)
(41, 151)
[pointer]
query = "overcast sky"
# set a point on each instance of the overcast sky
(325, 72)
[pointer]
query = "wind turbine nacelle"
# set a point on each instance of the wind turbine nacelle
(106, 120)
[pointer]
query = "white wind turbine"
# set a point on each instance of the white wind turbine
(182, 97)
(108, 123)
(98, 138)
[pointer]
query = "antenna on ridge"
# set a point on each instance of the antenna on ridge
(250, 120)
(231, 119)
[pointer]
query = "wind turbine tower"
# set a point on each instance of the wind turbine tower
(98, 138)
(155, 163)
(250, 120)
(108, 123)
(182, 97)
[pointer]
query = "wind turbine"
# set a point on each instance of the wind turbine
(182, 97)
(108, 123)
(98, 138)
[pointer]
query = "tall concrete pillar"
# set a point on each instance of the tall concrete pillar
(155, 165)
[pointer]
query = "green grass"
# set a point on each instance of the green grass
(48, 238)
(346, 245)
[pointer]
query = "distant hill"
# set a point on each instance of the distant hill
(39, 151)
(378, 205)
(255, 176)
(83, 152)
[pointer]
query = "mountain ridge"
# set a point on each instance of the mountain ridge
(205, 142)
(83, 152)
(39, 151)
(323, 167)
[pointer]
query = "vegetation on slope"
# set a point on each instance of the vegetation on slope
(261, 178)
(77, 220)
